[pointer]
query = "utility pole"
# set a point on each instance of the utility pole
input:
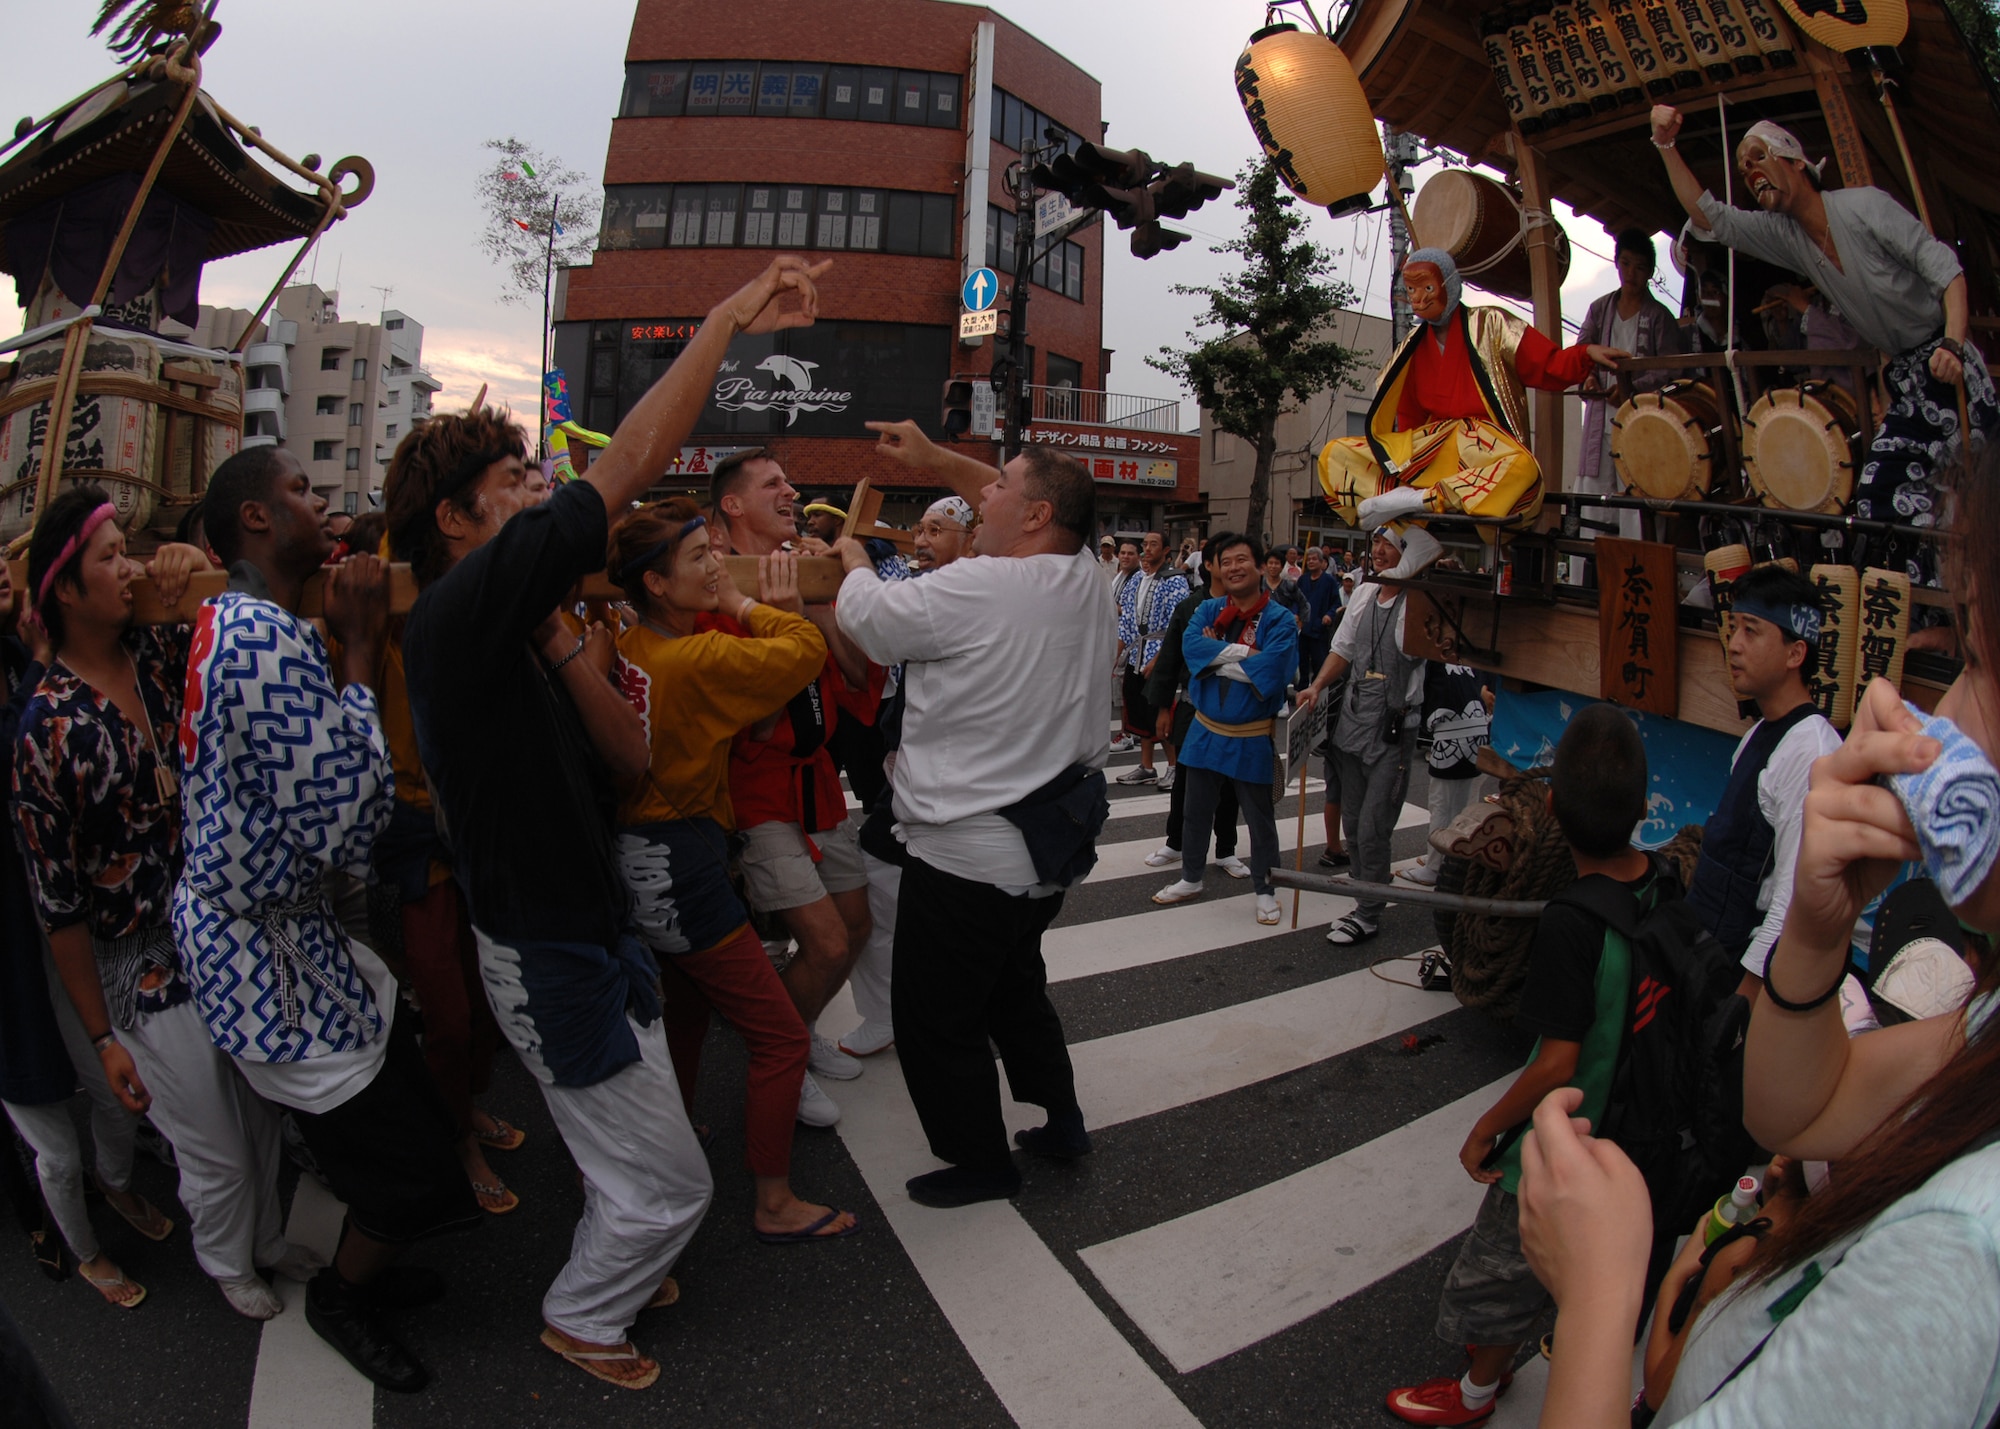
(1011, 374)
(548, 277)
(1400, 149)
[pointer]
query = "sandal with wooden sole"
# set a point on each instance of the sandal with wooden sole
(503, 1137)
(152, 1222)
(669, 1293)
(496, 1199)
(120, 1290)
(597, 1362)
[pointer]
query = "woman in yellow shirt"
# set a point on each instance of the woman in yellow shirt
(695, 687)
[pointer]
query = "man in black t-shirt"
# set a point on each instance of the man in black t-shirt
(521, 734)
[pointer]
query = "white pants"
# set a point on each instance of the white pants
(51, 1134)
(225, 1138)
(1450, 798)
(870, 978)
(646, 1186)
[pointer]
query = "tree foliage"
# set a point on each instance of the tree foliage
(523, 185)
(1257, 350)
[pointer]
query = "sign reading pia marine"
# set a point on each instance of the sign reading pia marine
(788, 387)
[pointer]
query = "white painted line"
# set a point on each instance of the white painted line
(1134, 806)
(1212, 1282)
(1051, 1356)
(1171, 1064)
(1127, 859)
(301, 1381)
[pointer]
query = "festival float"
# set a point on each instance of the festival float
(110, 206)
(1744, 457)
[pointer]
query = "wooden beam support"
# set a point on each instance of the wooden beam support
(1850, 150)
(1545, 274)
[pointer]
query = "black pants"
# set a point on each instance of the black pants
(1225, 818)
(968, 968)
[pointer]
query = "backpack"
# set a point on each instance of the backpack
(1676, 1099)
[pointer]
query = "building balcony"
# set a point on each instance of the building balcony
(1088, 408)
(417, 377)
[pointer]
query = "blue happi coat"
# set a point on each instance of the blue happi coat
(1273, 663)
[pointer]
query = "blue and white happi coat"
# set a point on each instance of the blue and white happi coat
(1140, 631)
(284, 778)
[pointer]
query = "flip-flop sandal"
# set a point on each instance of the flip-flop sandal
(154, 1224)
(669, 1293)
(118, 1285)
(503, 1137)
(815, 1231)
(495, 1200)
(1348, 931)
(597, 1363)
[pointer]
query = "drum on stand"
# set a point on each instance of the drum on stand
(1798, 447)
(1478, 222)
(1663, 444)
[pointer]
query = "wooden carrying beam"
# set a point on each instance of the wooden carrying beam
(819, 581)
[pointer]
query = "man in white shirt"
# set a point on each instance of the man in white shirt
(1742, 882)
(1024, 622)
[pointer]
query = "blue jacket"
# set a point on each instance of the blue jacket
(1322, 598)
(1273, 664)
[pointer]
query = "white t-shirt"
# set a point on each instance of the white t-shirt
(1003, 690)
(319, 1084)
(1781, 798)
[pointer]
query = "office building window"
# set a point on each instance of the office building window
(326, 407)
(1073, 276)
(795, 203)
(808, 83)
(396, 397)
(906, 219)
(323, 451)
(719, 230)
(353, 414)
(760, 216)
(352, 502)
(944, 102)
(655, 89)
(360, 369)
(704, 88)
(783, 216)
(774, 90)
(865, 230)
(390, 430)
(1017, 125)
(354, 458)
(665, 89)
(877, 102)
(1060, 271)
(739, 88)
(329, 359)
(843, 93)
(832, 219)
(913, 94)
(635, 216)
(685, 231)
(940, 213)
(393, 325)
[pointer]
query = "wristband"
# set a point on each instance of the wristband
(1953, 346)
(98, 1044)
(743, 610)
(1771, 991)
(569, 657)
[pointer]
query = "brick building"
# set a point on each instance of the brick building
(875, 132)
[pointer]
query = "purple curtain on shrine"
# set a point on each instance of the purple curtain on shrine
(72, 236)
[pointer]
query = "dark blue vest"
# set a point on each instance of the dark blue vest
(1736, 844)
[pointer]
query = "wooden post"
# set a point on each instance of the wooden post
(1545, 273)
(1849, 150)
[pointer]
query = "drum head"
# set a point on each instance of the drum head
(1797, 453)
(1660, 448)
(1451, 210)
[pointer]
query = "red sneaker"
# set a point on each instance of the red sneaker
(1437, 1401)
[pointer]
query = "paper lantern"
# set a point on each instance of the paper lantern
(1307, 109)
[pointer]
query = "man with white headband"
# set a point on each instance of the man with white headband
(943, 535)
(1448, 428)
(1897, 286)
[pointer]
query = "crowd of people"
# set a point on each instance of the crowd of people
(289, 881)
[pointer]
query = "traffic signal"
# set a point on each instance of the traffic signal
(1137, 192)
(1178, 192)
(957, 420)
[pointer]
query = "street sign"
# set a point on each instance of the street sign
(1052, 211)
(980, 324)
(980, 290)
(985, 409)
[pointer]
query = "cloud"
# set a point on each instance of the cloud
(462, 358)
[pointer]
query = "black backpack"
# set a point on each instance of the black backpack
(1676, 1099)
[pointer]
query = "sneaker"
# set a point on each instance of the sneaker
(1179, 891)
(816, 1108)
(1233, 866)
(1437, 1401)
(872, 1036)
(1166, 780)
(1335, 858)
(1422, 875)
(1267, 909)
(1164, 856)
(1138, 774)
(1124, 744)
(829, 1061)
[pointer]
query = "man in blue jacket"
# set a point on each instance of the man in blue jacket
(1242, 652)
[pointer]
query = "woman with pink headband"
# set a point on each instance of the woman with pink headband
(96, 781)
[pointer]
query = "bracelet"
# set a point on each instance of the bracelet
(1771, 991)
(1658, 145)
(569, 657)
(1953, 346)
(743, 610)
(98, 1044)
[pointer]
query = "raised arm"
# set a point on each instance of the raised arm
(1687, 188)
(650, 438)
(906, 442)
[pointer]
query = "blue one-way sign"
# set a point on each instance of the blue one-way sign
(980, 291)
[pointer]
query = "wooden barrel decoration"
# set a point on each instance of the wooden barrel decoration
(1628, 17)
(1663, 443)
(1500, 58)
(1306, 106)
(1724, 564)
(1613, 62)
(1770, 34)
(1882, 632)
(1591, 84)
(1479, 223)
(1831, 688)
(1536, 96)
(1798, 447)
(1734, 32)
(1569, 102)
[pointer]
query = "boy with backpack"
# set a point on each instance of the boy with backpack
(1579, 992)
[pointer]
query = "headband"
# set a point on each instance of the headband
(955, 509)
(1391, 535)
(1780, 143)
(1799, 622)
(72, 546)
(659, 548)
(1454, 286)
(822, 508)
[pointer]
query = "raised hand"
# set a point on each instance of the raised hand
(761, 304)
(904, 441)
(1666, 124)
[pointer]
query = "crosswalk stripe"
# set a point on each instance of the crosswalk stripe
(1133, 806)
(301, 1382)
(1209, 1283)
(1156, 1068)
(1127, 859)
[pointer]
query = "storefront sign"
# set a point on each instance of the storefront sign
(1638, 648)
(789, 388)
(1069, 439)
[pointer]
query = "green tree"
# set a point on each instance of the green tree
(1263, 354)
(524, 186)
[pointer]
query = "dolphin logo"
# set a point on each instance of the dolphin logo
(791, 369)
(791, 390)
